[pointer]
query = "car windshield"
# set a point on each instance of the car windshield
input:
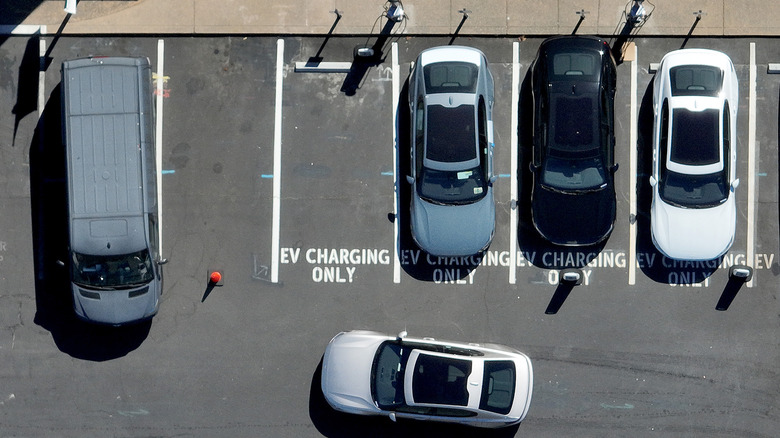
(451, 77)
(440, 380)
(694, 191)
(112, 272)
(695, 80)
(695, 137)
(573, 174)
(452, 187)
(498, 386)
(387, 374)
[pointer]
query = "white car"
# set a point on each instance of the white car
(482, 385)
(695, 98)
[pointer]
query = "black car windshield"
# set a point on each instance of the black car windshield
(112, 272)
(498, 386)
(387, 375)
(451, 77)
(452, 187)
(694, 191)
(695, 137)
(440, 380)
(695, 80)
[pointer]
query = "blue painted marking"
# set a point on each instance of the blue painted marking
(387, 173)
(761, 174)
(267, 176)
(167, 172)
(504, 175)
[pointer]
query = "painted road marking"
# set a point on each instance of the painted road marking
(394, 107)
(751, 183)
(632, 156)
(513, 212)
(41, 106)
(277, 187)
(158, 138)
(41, 76)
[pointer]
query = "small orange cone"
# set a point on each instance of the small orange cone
(215, 277)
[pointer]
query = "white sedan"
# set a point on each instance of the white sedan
(482, 385)
(695, 99)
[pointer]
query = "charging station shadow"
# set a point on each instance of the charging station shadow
(49, 211)
(334, 424)
(654, 264)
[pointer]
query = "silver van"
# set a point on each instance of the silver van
(108, 131)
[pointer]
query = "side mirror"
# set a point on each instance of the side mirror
(533, 167)
(614, 167)
(392, 417)
(401, 335)
(653, 181)
(493, 179)
(734, 184)
(162, 261)
(410, 179)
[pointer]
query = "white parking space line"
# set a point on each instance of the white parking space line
(632, 164)
(277, 187)
(41, 106)
(396, 90)
(513, 160)
(158, 139)
(751, 176)
(41, 76)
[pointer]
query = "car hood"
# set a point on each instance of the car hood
(454, 230)
(693, 233)
(116, 307)
(573, 219)
(346, 371)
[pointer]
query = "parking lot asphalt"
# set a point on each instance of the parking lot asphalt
(297, 205)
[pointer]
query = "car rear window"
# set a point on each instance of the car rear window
(695, 80)
(576, 64)
(498, 386)
(451, 77)
(695, 137)
(451, 134)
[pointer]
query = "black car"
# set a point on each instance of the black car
(573, 86)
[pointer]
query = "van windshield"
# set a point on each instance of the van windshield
(112, 272)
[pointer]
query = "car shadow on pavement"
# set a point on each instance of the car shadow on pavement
(334, 424)
(49, 215)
